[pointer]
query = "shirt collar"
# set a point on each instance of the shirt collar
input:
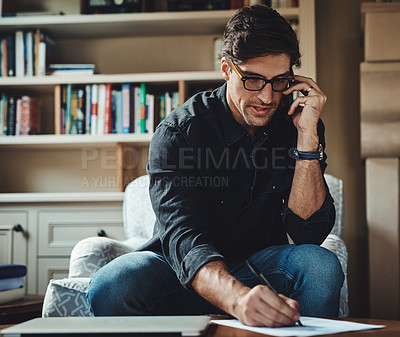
(232, 129)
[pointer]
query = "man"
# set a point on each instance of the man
(233, 172)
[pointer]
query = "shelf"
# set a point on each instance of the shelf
(163, 77)
(135, 24)
(69, 142)
(10, 198)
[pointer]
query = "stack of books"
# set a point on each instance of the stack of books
(12, 283)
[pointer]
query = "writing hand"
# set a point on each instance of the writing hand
(260, 306)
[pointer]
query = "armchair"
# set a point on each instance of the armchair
(67, 297)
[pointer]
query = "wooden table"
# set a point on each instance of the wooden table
(392, 330)
(21, 310)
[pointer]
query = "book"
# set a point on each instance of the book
(101, 109)
(80, 121)
(12, 270)
(68, 118)
(29, 115)
(136, 109)
(143, 108)
(10, 55)
(71, 69)
(18, 108)
(19, 54)
(126, 107)
(88, 108)
(149, 113)
(107, 113)
(11, 116)
(11, 295)
(94, 106)
(28, 47)
(4, 58)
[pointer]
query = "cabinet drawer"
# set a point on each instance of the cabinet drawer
(13, 237)
(49, 269)
(59, 231)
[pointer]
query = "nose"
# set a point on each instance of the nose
(266, 93)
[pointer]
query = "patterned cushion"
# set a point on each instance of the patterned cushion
(337, 245)
(336, 189)
(90, 254)
(66, 297)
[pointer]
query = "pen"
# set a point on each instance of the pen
(264, 280)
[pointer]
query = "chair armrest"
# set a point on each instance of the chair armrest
(336, 245)
(90, 254)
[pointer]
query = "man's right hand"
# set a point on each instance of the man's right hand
(258, 306)
(262, 307)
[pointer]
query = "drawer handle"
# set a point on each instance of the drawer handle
(18, 228)
(101, 233)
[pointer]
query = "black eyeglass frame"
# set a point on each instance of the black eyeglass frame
(243, 78)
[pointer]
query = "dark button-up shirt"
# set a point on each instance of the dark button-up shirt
(220, 194)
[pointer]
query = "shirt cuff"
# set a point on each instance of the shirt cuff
(313, 230)
(194, 260)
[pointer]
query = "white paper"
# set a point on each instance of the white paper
(312, 327)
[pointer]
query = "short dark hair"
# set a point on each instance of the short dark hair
(256, 31)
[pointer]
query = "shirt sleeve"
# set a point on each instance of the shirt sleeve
(316, 228)
(182, 219)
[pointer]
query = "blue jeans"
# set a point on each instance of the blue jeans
(142, 283)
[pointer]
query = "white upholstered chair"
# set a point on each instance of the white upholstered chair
(67, 297)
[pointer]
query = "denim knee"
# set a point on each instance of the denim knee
(116, 288)
(321, 268)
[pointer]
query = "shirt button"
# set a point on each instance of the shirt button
(274, 187)
(222, 202)
(265, 133)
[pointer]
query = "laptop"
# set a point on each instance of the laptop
(111, 326)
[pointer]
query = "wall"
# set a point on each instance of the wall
(339, 53)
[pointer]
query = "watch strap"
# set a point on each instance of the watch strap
(308, 155)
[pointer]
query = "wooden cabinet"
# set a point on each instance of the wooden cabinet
(51, 227)
(165, 50)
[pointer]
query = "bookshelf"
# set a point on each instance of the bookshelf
(174, 50)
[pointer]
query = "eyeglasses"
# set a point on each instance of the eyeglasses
(278, 84)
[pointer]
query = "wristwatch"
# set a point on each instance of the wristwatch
(308, 155)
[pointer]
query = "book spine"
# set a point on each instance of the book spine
(11, 55)
(36, 53)
(80, 122)
(143, 108)
(150, 113)
(11, 116)
(74, 112)
(28, 53)
(4, 58)
(136, 109)
(4, 99)
(57, 109)
(114, 94)
(107, 116)
(25, 115)
(88, 108)
(19, 53)
(18, 108)
(94, 102)
(126, 107)
(118, 111)
(101, 109)
(68, 119)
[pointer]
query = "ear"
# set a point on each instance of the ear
(225, 69)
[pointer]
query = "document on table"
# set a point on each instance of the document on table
(312, 327)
